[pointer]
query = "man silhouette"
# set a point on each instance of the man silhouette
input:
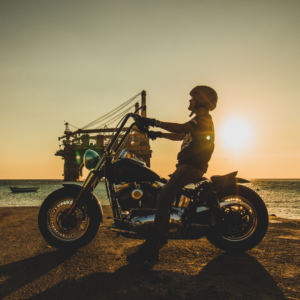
(196, 150)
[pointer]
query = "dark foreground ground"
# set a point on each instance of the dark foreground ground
(188, 269)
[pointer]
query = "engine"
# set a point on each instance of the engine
(132, 195)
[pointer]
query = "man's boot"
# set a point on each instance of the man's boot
(149, 251)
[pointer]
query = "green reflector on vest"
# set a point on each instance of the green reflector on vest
(208, 137)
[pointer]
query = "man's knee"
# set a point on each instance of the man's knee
(163, 194)
(164, 199)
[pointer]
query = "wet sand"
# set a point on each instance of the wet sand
(188, 269)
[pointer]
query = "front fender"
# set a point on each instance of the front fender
(79, 187)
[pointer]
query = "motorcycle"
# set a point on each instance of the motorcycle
(231, 216)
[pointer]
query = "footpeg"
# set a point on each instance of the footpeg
(113, 228)
(125, 226)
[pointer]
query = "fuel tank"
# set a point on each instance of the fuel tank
(127, 169)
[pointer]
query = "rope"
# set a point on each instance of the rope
(116, 117)
(111, 113)
(73, 126)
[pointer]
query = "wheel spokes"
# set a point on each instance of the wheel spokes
(239, 220)
(65, 227)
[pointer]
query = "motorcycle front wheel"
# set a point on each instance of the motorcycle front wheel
(73, 231)
(242, 222)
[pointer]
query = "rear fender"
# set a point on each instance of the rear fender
(79, 187)
(220, 184)
(242, 180)
(227, 182)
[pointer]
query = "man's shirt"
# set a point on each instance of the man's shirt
(198, 145)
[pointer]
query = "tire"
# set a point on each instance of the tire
(243, 222)
(77, 231)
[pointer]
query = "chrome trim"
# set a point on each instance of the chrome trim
(240, 203)
(200, 209)
(184, 202)
(236, 201)
(122, 187)
(121, 230)
(147, 221)
(175, 217)
(137, 194)
(157, 185)
(141, 221)
(179, 211)
(55, 224)
(126, 154)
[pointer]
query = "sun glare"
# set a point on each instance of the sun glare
(236, 134)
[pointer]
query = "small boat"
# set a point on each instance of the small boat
(15, 189)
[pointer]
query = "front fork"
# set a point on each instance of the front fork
(91, 181)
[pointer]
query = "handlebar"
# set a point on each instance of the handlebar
(142, 107)
(139, 124)
(138, 120)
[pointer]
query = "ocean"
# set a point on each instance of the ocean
(282, 196)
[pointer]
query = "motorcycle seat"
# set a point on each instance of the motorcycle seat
(196, 182)
(216, 178)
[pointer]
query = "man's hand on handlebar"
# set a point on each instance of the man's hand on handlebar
(149, 122)
(154, 134)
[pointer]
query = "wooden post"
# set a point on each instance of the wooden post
(137, 107)
(144, 112)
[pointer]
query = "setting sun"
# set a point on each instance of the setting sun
(236, 134)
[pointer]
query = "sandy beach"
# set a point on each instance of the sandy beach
(188, 269)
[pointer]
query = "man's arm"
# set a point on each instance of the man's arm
(173, 136)
(176, 128)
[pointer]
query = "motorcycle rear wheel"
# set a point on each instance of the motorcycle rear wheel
(68, 232)
(243, 222)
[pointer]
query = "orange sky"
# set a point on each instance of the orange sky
(76, 60)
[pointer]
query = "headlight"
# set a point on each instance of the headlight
(91, 159)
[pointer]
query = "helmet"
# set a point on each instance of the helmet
(207, 97)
